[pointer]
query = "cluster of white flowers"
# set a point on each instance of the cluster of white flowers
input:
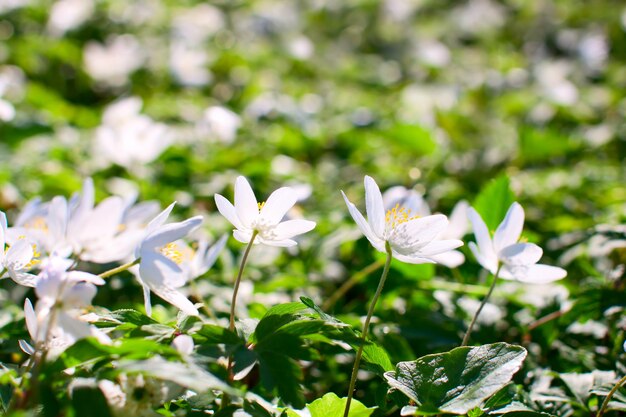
(49, 239)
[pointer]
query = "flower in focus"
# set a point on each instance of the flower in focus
(517, 261)
(412, 201)
(160, 266)
(413, 239)
(18, 258)
(265, 219)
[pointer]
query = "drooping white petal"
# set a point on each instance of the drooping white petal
(278, 204)
(80, 276)
(147, 305)
(156, 269)
(227, 210)
(243, 236)
(24, 278)
(483, 240)
(205, 258)
(31, 319)
(175, 298)
(412, 259)
(416, 233)
(509, 231)
(436, 247)
(285, 243)
(450, 259)
(246, 205)
(458, 221)
(102, 221)
(170, 232)
(535, 274)
(57, 220)
(291, 228)
(374, 206)
(364, 225)
(489, 263)
(521, 254)
(3, 231)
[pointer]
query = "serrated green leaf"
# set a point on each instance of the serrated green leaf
(494, 200)
(283, 373)
(459, 380)
(330, 405)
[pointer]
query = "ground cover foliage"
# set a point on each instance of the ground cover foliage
(130, 106)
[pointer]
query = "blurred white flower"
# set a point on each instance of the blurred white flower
(184, 344)
(17, 259)
(159, 268)
(249, 217)
(114, 62)
(128, 138)
(189, 64)
(413, 239)
(55, 323)
(517, 261)
(219, 123)
(66, 15)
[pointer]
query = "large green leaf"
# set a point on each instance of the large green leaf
(494, 200)
(459, 380)
(330, 405)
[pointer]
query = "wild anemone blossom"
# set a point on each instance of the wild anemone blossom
(17, 259)
(517, 260)
(412, 238)
(262, 220)
(160, 260)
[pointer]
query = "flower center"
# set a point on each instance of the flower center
(37, 223)
(261, 204)
(398, 215)
(176, 253)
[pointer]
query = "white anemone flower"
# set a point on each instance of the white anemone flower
(160, 266)
(265, 219)
(517, 261)
(413, 239)
(17, 259)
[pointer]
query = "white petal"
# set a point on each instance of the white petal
(160, 219)
(364, 225)
(285, 243)
(243, 236)
(490, 264)
(104, 220)
(228, 211)
(176, 298)
(485, 245)
(374, 206)
(412, 259)
(211, 255)
(171, 232)
(184, 344)
(3, 231)
(510, 229)
(31, 319)
(458, 221)
(57, 219)
(291, 228)
(146, 300)
(20, 254)
(450, 259)
(278, 204)
(246, 206)
(437, 247)
(156, 269)
(24, 278)
(417, 233)
(539, 274)
(26, 348)
(521, 254)
(407, 198)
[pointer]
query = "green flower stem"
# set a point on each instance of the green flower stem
(119, 269)
(355, 279)
(605, 404)
(359, 353)
(4, 271)
(233, 302)
(471, 326)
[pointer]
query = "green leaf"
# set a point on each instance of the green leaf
(283, 373)
(89, 401)
(275, 318)
(459, 380)
(412, 138)
(330, 405)
(212, 334)
(493, 201)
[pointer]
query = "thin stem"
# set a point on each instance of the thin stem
(4, 271)
(471, 326)
(605, 404)
(233, 302)
(346, 286)
(119, 269)
(359, 353)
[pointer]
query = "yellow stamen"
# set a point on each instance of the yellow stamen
(398, 215)
(38, 223)
(177, 253)
(261, 204)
